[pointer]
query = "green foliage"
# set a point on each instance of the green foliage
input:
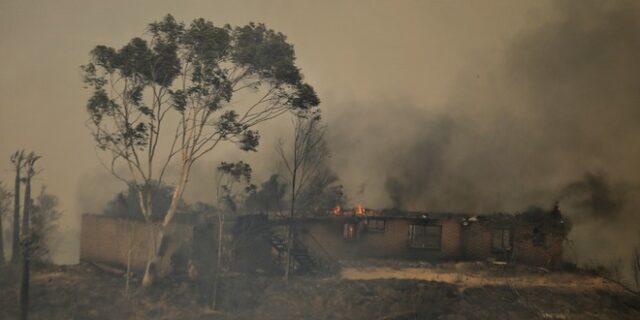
(44, 224)
(211, 63)
(265, 53)
(126, 204)
(6, 198)
(32, 243)
(322, 194)
(229, 175)
(304, 98)
(238, 171)
(249, 140)
(269, 198)
(228, 124)
(179, 100)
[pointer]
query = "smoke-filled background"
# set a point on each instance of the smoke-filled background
(465, 106)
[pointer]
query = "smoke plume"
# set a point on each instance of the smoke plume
(554, 118)
(595, 197)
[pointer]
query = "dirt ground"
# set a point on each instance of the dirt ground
(476, 274)
(362, 291)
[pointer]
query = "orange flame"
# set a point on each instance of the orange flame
(337, 210)
(360, 210)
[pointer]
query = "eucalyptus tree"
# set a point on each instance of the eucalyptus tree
(179, 87)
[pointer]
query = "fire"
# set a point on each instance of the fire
(337, 210)
(360, 210)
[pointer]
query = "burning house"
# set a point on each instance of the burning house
(258, 242)
(534, 238)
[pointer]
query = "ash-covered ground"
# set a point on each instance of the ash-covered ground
(371, 290)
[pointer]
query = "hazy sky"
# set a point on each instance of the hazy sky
(387, 72)
(353, 52)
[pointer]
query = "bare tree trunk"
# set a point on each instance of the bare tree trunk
(150, 269)
(26, 210)
(156, 241)
(129, 253)
(26, 251)
(15, 245)
(290, 236)
(216, 279)
(288, 269)
(24, 286)
(307, 138)
(128, 274)
(2, 259)
(177, 194)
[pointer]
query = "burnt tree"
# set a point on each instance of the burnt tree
(5, 199)
(302, 162)
(28, 239)
(17, 160)
(30, 162)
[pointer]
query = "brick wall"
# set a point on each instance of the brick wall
(546, 254)
(471, 242)
(394, 242)
(108, 240)
(451, 239)
(477, 244)
(476, 239)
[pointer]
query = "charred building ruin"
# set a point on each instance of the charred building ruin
(258, 242)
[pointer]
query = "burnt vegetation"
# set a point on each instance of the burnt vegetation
(552, 136)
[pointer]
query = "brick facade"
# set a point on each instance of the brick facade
(460, 239)
(449, 237)
(108, 240)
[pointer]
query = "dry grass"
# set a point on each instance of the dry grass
(393, 292)
(474, 274)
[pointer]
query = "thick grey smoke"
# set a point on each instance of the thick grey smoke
(418, 175)
(564, 101)
(556, 118)
(580, 77)
(595, 197)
